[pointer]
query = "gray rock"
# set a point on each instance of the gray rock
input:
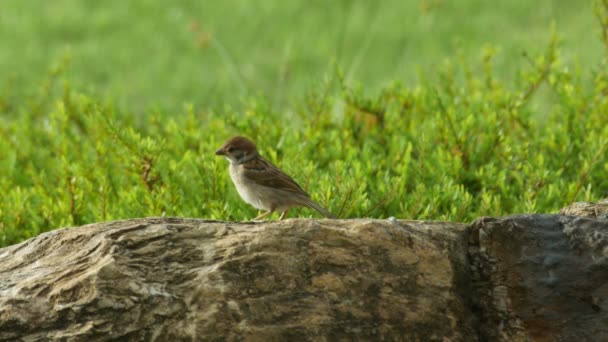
(517, 278)
(541, 278)
(185, 279)
(587, 209)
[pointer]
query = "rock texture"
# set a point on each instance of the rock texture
(193, 280)
(540, 278)
(587, 209)
(519, 278)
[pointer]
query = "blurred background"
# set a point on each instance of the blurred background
(417, 109)
(150, 54)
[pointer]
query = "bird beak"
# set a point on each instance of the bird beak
(220, 152)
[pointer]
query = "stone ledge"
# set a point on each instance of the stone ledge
(526, 277)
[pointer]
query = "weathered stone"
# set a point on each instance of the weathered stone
(587, 209)
(169, 279)
(540, 278)
(518, 278)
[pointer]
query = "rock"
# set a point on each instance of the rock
(185, 279)
(517, 278)
(586, 209)
(540, 278)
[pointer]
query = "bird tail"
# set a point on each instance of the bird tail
(320, 209)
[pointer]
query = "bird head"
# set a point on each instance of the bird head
(238, 150)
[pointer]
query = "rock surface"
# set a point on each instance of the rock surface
(519, 278)
(185, 279)
(587, 209)
(540, 278)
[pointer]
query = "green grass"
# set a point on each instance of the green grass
(147, 54)
(360, 104)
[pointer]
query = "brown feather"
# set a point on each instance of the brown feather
(263, 172)
(262, 184)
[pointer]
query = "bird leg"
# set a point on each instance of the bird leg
(263, 215)
(283, 214)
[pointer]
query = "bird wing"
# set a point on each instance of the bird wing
(263, 172)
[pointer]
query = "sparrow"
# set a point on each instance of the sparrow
(262, 184)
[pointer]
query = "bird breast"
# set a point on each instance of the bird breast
(249, 191)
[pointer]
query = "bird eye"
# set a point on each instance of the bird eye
(229, 149)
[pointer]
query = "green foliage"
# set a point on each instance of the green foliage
(465, 146)
(141, 53)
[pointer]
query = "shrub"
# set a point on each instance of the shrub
(465, 146)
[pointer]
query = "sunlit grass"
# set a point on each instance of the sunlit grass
(418, 110)
(144, 54)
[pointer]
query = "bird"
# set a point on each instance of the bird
(261, 184)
